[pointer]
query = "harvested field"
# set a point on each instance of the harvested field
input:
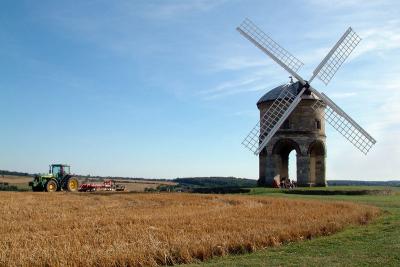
(15, 180)
(157, 229)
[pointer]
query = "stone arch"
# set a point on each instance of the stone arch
(280, 155)
(317, 147)
(317, 154)
(282, 145)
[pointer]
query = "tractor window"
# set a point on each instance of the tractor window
(56, 170)
(66, 170)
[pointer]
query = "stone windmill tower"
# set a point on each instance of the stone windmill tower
(293, 116)
(304, 132)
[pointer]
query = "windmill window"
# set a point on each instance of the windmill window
(318, 124)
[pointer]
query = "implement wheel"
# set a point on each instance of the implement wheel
(72, 184)
(51, 186)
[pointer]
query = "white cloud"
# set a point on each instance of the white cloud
(379, 39)
(258, 79)
(252, 87)
(232, 84)
(389, 110)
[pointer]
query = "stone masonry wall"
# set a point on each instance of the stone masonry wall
(300, 135)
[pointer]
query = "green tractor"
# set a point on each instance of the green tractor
(59, 178)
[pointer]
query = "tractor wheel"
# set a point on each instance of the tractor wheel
(72, 184)
(51, 186)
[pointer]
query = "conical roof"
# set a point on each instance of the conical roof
(294, 88)
(274, 93)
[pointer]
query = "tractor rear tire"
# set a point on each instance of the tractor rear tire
(51, 186)
(72, 184)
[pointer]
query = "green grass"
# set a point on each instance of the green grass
(375, 244)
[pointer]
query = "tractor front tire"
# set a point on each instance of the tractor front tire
(51, 186)
(72, 184)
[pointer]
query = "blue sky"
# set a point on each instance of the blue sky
(168, 89)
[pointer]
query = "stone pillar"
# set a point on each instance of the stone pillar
(262, 168)
(320, 171)
(303, 170)
(270, 166)
(275, 164)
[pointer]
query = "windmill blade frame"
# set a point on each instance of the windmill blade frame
(344, 124)
(280, 122)
(336, 56)
(279, 54)
(282, 107)
(272, 120)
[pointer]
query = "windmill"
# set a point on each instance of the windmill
(278, 110)
(282, 107)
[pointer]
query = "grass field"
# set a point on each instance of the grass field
(375, 244)
(148, 229)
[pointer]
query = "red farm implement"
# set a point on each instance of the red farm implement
(106, 185)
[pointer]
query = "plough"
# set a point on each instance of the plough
(107, 185)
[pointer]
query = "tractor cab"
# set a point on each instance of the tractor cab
(59, 170)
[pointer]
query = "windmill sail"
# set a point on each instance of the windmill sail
(345, 125)
(272, 120)
(334, 115)
(336, 56)
(282, 107)
(279, 54)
